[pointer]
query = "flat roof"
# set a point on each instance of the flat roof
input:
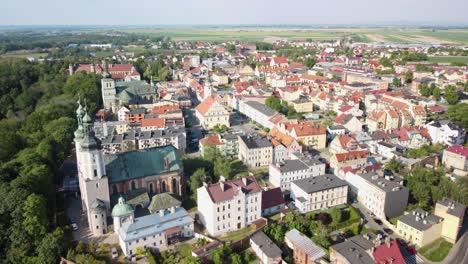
(319, 183)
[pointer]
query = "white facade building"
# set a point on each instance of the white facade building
(281, 174)
(446, 132)
(229, 205)
(383, 196)
(317, 193)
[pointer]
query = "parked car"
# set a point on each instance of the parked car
(388, 231)
(378, 221)
(74, 226)
(114, 252)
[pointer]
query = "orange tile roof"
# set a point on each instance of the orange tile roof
(204, 106)
(306, 129)
(157, 122)
(211, 140)
(158, 110)
(281, 137)
(340, 157)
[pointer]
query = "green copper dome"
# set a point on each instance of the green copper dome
(122, 209)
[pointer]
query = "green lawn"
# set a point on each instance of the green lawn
(104, 53)
(437, 250)
(238, 235)
(185, 250)
(448, 59)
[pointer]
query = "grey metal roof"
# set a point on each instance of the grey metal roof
(261, 108)
(319, 183)
(266, 245)
(298, 239)
(153, 224)
(420, 219)
(291, 165)
(388, 184)
(454, 208)
(255, 141)
(355, 249)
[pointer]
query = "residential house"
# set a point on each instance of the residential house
(311, 135)
(212, 113)
(419, 227)
(284, 145)
(456, 158)
(255, 150)
(355, 158)
(350, 122)
(227, 144)
(446, 132)
(453, 214)
(386, 197)
(343, 143)
(272, 201)
(317, 193)
(356, 249)
(300, 167)
(229, 205)
(265, 249)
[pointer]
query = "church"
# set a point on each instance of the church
(104, 178)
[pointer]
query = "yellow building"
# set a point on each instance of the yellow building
(452, 213)
(307, 133)
(302, 105)
(420, 227)
(212, 113)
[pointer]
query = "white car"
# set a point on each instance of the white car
(74, 226)
(115, 254)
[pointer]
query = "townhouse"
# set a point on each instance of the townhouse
(227, 144)
(317, 193)
(456, 157)
(420, 227)
(386, 197)
(255, 150)
(308, 133)
(446, 132)
(212, 113)
(300, 167)
(229, 205)
(355, 158)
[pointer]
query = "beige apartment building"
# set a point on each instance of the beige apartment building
(255, 150)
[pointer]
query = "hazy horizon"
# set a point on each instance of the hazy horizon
(228, 13)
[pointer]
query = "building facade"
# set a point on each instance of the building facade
(229, 205)
(255, 150)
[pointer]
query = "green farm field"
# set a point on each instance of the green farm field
(449, 59)
(401, 35)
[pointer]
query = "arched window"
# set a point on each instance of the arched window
(151, 188)
(163, 187)
(133, 185)
(114, 188)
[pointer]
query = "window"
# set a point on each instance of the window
(97, 227)
(97, 185)
(95, 216)
(95, 173)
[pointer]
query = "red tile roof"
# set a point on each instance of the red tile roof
(223, 191)
(273, 197)
(211, 140)
(340, 157)
(385, 254)
(458, 149)
(280, 59)
(306, 128)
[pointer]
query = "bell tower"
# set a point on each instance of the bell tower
(109, 93)
(92, 177)
(207, 91)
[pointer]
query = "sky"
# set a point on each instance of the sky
(210, 12)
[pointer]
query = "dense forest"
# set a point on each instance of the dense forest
(37, 121)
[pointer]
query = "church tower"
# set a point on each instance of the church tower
(109, 93)
(207, 91)
(92, 178)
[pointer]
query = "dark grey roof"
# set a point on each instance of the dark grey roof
(319, 183)
(336, 127)
(454, 208)
(355, 249)
(388, 184)
(266, 245)
(261, 108)
(291, 165)
(255, 141)
(420, 219)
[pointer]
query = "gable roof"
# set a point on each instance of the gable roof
(389, 253)
(226, 190)
(204, 106)
(298, 239)
(272, 197)
(340, 157)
